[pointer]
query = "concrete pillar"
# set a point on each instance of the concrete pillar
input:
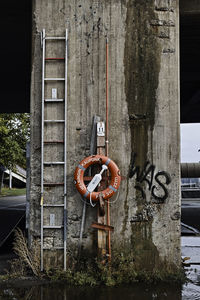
(143, 119)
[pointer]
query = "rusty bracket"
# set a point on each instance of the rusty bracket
(102, 226)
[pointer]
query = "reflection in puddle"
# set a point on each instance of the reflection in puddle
(61, 292)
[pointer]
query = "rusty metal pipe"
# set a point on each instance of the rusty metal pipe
(106, 151)
(190, 170)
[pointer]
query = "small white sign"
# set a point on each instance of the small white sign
(54, 93)
(52, 219)
(100, 129)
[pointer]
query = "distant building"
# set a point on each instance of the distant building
(15, 178)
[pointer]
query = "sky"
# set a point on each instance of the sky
(190, 142)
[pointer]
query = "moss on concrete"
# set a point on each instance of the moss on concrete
(122, 270)
(126, 208)
(145, 252)
(142, 66)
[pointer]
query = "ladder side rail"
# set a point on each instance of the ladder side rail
(42, 145)
(65, 152)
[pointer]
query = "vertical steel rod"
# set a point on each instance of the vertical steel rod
(106, 150)
(65, 155)
(108, 204)
(42, 144)
(82, 227)
(92, 151)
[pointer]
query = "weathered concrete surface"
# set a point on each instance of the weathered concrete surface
(143, 119)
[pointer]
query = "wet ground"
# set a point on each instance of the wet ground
(191, 250)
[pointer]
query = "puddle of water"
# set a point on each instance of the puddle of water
(61, 292)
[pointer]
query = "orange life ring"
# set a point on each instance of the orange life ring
(97, 159)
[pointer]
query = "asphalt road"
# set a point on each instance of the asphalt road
(190, 212)
(13, 202)
(12, 210)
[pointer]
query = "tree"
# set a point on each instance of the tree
(14, 134)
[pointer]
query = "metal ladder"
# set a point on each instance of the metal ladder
(59, 82)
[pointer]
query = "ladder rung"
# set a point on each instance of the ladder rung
(55, 79)
(54, 58)
(53, 100)
(53, 183)
(53, 205)
(53, 248)
(53, 227)
(54, 121)
(53, 142)
(47, 185)
(55, 38)
(54, 163)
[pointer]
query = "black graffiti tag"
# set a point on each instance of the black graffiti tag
(148, 175)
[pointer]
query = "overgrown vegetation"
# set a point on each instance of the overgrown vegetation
(121, 271)
(28, 261)
(87, 272)
(13, 192)
(14, 134)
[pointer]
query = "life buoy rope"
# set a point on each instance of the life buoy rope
(101, 160)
